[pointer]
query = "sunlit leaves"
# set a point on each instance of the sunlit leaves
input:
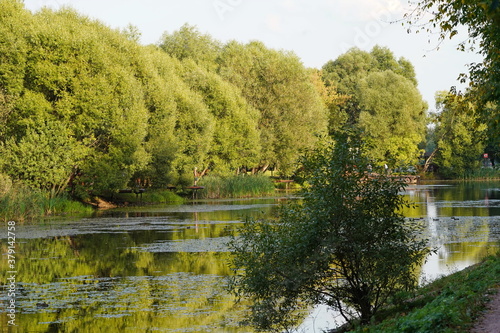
(460, 136)
(336, 248)
(276, 83)
(45, 157)
(383, 102)
(392, 117)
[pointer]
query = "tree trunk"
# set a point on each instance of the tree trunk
(429, 160)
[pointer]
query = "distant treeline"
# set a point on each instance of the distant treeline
(87, 109)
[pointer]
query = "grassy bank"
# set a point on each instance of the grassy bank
(449, 304)
(235, 186)
(22, 203)
(149, 196)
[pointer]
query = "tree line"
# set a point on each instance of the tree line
(86, 108)
(466, 135)
(337, 246)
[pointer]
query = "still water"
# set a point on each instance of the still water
(163, 268)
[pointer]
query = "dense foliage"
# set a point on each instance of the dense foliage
(335, 248)
(383, 102)
(477, 107)
(86, 109)
(459, 136)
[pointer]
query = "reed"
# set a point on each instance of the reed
(149, 196)
(239, 186)
(65, 205)
(23, 203)
(483, 173)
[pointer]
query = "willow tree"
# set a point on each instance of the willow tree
(236, 138)
(77, 74)
(46, 157)
(392, 117)
(460, 136)
(277, 84)
(384, 102)
(346, 246)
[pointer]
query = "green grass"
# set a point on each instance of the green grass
(483, 173)
(235, 186)
(65, 205)
(23, 203)
(149, 196)
(449, 304)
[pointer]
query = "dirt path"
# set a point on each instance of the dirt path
(490, 321)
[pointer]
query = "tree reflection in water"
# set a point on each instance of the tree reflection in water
(163, 267)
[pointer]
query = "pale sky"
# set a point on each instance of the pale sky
(315, 30)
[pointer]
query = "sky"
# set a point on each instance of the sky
(315, 30)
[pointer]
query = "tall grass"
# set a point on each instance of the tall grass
(23, 203)
(65, 205)
(483, 173)
(235, 186)
(149, 196)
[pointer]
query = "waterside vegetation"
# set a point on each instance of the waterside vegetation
(216, 187)
(87, 111)
(334, 248)
(449, 304)
(23, 203)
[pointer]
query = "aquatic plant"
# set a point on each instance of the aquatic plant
(24, 203)
(235, 186)
(149, 196)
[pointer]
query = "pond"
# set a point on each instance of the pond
(163, 268)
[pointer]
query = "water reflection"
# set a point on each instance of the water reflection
(463, 223)
(162, 268)
(131, 270)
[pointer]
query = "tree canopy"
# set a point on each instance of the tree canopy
(459, 135)
(383, 101)
(110, 112)
(292, 114)
(335, 248)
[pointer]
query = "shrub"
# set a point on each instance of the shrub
(338, 247)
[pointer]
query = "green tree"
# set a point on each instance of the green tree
(345, 72)
(460, 136)
(338, 247)
(180, 125)
(392, 117)
(188, 42)
(15, 24)
(78, 74)
(292, 114)
(236, 135)
(350, 68)
(160, 81)
(46, 157)
(383, 101)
